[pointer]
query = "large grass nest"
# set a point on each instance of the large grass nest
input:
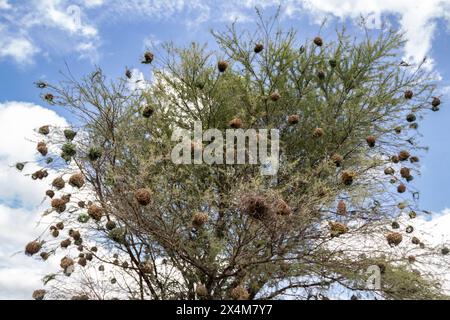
(256, 206)
(66, 262)
(341, 208)
(201, 290)
(42, 148)
(39, 294)
(95, 212)
(44, 130)
(32, 248)
(40, 174)
(347, 177)
(58, 183)
(239, 293)
(199, 219)
(337, 229)
(394, 238)
(59, 205)
(142, 196)
(77, 180)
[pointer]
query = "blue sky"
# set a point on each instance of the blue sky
(38, 37)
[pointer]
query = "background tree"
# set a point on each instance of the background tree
(129, 223)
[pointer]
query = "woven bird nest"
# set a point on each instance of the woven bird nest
(318, 132)
(337, 229)
(236, 123)
(201, 290)
(142, 196)
(275, 96)
(95, 212)
(39, 294)
(293, 119)
(148, 57)
(394, 238)
(65, 243)
(405, 172)
(222, 66)
(401, 188)
(77, 180)
(411, 117)
(44, 130)
(75, 234)
(341, 208)
(58, 183)
(282, 208)
(59, 205)
(403, 155)
(258, 48)
(50, 193)
(255, 206)
(42, 148)
(40, 174)
(371, 141)
(389, 171)
(66, 262)
(199, 219)
(337, 159)
(408, 94)
(82, 261)
(347, 177)
(110, 225)
(239, 293)
(147, 112)
(318, 41)
(32, 248)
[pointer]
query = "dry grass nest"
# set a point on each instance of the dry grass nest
(199, 219)
(258, 48)
(293, 119)
(255, 206)
(201, 290)
(403, 155)
(77, 180)
(401, 188)
(371, 141)
(318, 132)
(408, 94)
(405, 172)
(394, 238)
(347, 177)
(337, 229)
(95, 212)
(58, 183)
(222, 65)
(148, 57)
(32, 248)
(236, 123)
(65, 243)
(59, 205)
(39, 294)
(318, 41)
(341, 208)
(239, 293)
(42, 148)
(44, 130)
(66, 262)
(142, 196)
(275, 96)
(337, 159)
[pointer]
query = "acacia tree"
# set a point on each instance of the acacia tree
(140, 226)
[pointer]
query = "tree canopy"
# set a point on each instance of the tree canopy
(130, 223)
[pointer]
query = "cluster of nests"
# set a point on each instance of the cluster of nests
(262, 208)
(60, 204)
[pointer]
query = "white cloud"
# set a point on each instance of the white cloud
(20, 275)
(47, 25)
(21, 49)
(4, 5)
